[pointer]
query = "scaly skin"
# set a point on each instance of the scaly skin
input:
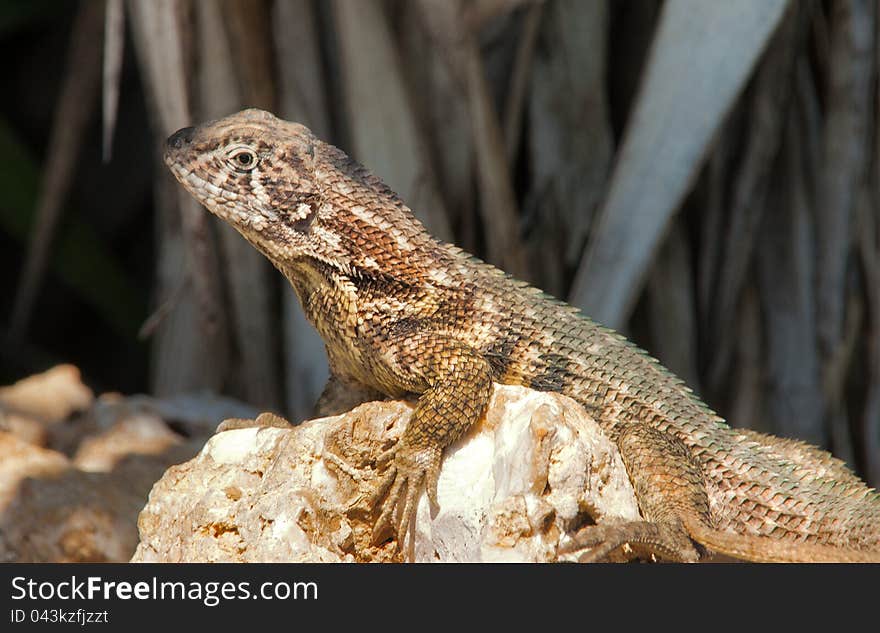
(402, 313)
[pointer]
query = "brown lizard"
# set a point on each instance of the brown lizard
(402, 313)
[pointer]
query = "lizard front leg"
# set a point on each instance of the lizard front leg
(458, 383)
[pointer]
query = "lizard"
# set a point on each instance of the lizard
(404, 314)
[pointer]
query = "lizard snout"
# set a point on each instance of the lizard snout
(181, 137)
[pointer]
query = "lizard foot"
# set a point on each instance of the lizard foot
(412, 469)
(665, 540)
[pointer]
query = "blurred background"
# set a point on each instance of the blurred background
(702, 176)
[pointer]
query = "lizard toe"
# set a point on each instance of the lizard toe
(412, 471)
(644, 538)
(384, 524)
(414, 487)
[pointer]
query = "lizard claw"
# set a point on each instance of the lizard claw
(412, 470)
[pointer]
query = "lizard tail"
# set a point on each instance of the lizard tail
(762, 549)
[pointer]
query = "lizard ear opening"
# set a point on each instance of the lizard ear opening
(304, 215)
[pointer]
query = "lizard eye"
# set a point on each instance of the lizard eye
(242, 159)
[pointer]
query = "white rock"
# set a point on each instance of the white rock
(511, 489)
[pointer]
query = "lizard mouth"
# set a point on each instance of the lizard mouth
(217, 200)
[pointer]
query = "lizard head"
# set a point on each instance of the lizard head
(258, 173)
(303, 203)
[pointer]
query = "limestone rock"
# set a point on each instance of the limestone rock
(51, 511)
(20, 459)
(52, 395)
(30, 429)
(530, 473)
(35, 405)
(138, 434)
(195, 414)
(75, 471)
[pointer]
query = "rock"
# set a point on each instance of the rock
(194, 414)
(50, 511)
(24, 427)
(138, 434)
(20, 459)
(70, 515)
(51, 396)
(75, 471)
(535, 469)
(33, 406)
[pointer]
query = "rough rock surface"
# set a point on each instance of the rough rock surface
(529, 474)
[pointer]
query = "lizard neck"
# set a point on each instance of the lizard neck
(325, 293)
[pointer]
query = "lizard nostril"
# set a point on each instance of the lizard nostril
(181, 137)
